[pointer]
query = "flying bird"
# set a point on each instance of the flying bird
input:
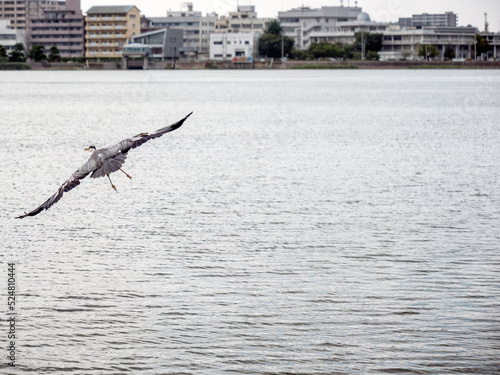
(103, 162)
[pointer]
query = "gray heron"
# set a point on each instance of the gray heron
(103, 162)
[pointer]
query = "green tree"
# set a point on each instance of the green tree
(449, 52)
(428, 51)
(350, 51)
(54, 54)
(371, 41)
(37, 53)
(274, 28)
(325, 49)
(17, 54)
(298, 54)
(482, 45)
(372, 55)
(3, 53)
(272, 42)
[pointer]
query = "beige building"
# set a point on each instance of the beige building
(109, 28)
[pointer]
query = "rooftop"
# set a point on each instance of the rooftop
(110, 9)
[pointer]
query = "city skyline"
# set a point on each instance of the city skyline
(379, 10)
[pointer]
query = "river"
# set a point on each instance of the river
(299, 222)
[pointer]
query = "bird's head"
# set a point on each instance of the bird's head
(91, 148)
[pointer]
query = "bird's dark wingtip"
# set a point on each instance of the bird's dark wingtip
(180, 122)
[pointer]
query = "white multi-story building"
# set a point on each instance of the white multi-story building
(303, 23)
(242, 21)
(448, 19)
(405, 43)
(239, 47)
(9, 36)
(343, 32)
(197, 29)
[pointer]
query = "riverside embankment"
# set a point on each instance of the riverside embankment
(268, 64)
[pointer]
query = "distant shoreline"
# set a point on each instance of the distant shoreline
(262, 65)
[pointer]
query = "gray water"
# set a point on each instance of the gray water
(300, 222)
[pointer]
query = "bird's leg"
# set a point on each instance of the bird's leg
(113, 186)
(126, 173)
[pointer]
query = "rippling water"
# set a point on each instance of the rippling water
(300, 222)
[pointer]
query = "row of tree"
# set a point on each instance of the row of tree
(37, 54)
(274, 44)
(366, 45)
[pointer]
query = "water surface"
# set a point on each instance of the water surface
(299, 222)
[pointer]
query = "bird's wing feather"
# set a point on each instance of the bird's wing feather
(69, 184)
(130, 143)
(112, 158)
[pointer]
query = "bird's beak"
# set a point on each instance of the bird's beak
(87, 149)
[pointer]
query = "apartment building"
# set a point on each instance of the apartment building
(18, 12)
(109, 28)
(63, 28)
(242, 21)
(15, 12)
(447, 19)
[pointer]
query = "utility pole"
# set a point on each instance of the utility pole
(362, 45)
(282, 46)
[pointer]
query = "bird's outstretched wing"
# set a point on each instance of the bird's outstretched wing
(130, 143)
(69, 184)
(110, 159)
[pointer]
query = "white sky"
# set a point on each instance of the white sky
(468, 11)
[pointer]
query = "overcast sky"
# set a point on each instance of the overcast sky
(468, 11)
